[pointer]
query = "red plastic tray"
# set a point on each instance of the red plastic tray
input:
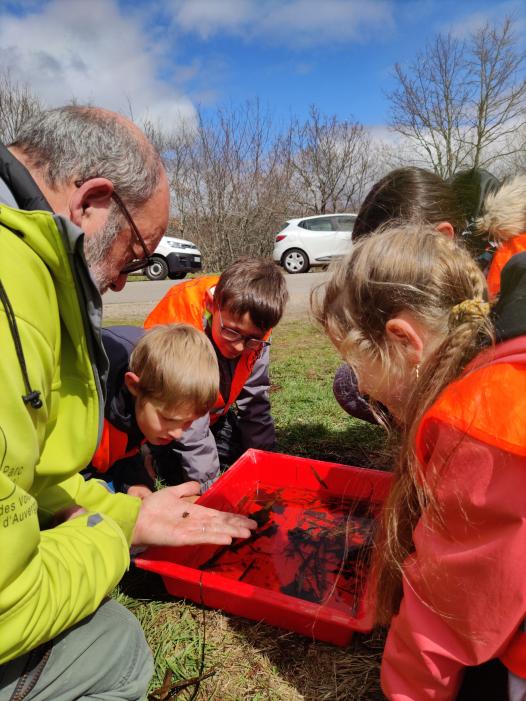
(305, 504)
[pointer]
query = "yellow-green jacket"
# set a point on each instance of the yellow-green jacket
(51, 576)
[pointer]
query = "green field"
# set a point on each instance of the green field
(251, 661)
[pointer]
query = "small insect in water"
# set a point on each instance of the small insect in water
(185, 514)
(320, 480)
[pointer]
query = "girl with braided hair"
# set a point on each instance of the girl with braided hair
(407, 310)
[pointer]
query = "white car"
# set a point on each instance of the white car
(173, 258)
(303, 243)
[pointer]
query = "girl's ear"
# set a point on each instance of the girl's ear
(131, 380)
(403, 332)
(446, 228)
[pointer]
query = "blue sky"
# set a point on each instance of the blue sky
(165, 58)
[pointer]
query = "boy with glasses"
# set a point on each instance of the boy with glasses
(237, 311)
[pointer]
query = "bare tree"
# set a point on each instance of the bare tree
(230, 183)
(517, 158)
(460, 100)
(498, 102)
(428, 104)
(330, 161)
(17, 104)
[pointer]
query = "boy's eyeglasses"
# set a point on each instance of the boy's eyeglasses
(235, 336)
(138, 263)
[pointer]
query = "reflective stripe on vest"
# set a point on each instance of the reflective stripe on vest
(112, 447)
(186, 302)
(474, 405)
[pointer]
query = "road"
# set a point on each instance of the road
(138, 298)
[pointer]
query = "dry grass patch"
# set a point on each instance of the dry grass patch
(252, 661)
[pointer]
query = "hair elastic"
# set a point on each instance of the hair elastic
(468, 310)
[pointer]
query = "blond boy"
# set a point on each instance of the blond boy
(160, 382)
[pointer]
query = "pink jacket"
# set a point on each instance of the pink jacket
(465, 584)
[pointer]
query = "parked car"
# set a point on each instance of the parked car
(303, 243)
(173, 258)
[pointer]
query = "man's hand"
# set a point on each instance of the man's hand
(166, 518)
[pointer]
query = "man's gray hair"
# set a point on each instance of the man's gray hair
(78, 143)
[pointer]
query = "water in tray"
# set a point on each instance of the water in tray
(310, 546)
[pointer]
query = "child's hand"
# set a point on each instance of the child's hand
(166, 518)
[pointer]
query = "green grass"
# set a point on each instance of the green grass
(252, 661)
(143, 278)
(136, 278)
(122, 321)
(309, 421)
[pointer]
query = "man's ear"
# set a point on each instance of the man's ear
(446, 228)
(407, 336)
(209, 300)
(131, 380)
(91, 201)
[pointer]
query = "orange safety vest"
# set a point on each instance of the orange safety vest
(112, 447)
(474, 405)
(186, 302)
(504, 252)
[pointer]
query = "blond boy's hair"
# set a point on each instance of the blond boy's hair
(177, 367)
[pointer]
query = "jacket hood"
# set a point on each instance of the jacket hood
(19, 181)
(59, 245)
(39, 230)
(504, 211)
(509, 314)
(53, 238)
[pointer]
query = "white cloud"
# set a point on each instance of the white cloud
(471, 23)
(91, 52)
(298, 22)
(207, 17)
(385, 134)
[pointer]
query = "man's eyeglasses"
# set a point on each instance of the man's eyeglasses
(138, 263)
(234, 336)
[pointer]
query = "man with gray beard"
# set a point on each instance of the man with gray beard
(79, 183)
(93, 167)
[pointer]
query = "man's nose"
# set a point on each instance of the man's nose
(176, 433)
(119, 283)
